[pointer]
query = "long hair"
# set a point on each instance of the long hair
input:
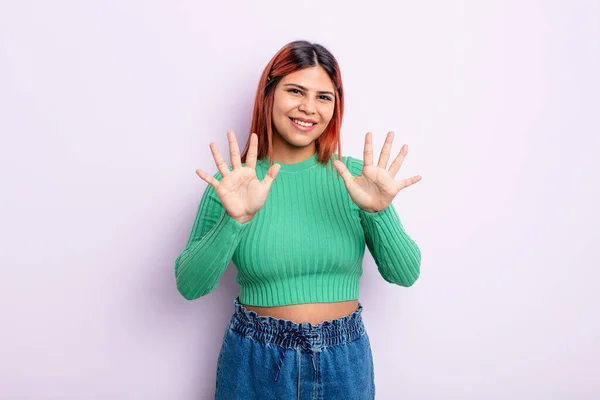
(292, 57)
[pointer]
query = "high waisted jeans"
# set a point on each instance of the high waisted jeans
(264, 358)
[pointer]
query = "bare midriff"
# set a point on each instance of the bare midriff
(314, 313)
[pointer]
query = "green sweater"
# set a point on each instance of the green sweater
(305, 245)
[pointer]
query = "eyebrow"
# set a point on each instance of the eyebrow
(306, 90)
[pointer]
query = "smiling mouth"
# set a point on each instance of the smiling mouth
(302, 123)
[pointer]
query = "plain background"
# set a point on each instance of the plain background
(108, 107)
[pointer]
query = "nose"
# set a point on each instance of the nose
(308, 105)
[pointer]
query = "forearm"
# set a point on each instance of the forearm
(202, 263)
(396, 254)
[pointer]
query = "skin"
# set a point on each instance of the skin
(242, 194)
(306, 94)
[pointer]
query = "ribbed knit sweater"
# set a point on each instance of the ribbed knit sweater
(305, 245)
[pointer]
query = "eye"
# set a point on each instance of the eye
(295, 91)
(327, 98)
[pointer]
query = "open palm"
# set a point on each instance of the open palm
(375, 188)
(242, 195)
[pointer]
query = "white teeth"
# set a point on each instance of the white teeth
(303, 123)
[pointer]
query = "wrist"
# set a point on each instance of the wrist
(244, 219)
(374, 211)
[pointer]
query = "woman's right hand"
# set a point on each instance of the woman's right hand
(240, 191)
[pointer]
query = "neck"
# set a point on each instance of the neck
(288, 154)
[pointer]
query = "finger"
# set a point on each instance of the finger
(368, 152)
(207, 178)
(397, 163)
(408, 182)
(386, 151)
(234, 150)
(343, 171)
(271, 175)
(252, 151)
(219, 162)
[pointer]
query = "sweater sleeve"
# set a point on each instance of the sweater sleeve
(397, 256)
(211, 244)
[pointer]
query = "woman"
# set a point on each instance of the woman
(296, 230)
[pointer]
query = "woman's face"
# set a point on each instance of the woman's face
(303, 106)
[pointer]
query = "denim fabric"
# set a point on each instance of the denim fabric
(265, 358)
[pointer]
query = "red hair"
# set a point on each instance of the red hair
(292, 57)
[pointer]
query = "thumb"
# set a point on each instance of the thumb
(271, 175)
(343, 171)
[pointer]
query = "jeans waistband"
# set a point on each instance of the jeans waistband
(285, 333)
(303, 336)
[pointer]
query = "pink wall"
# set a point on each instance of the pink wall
(107, 108)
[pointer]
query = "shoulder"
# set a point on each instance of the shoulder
(354, 165)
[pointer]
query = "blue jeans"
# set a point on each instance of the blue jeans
(264, 357)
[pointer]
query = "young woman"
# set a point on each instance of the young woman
(295, 218)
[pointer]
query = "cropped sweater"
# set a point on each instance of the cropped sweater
(305, 245)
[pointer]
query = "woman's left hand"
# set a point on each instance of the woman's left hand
(375, 188)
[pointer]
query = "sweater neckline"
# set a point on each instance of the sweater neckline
(294, 167)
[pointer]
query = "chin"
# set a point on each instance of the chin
(300, 139)
(299, 144)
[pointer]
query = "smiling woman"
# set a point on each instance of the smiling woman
(301, 105)
(297, 328)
